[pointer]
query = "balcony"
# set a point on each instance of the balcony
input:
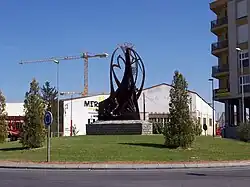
(219, 25)
(219, 47)
(219, 71)
(217, 5)
(221, 93)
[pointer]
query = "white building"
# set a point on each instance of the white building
(157, 99)
(15, 109)
(79, 112)
(83, 110)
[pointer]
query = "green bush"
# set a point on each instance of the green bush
(3, 123)
(179, 131)
(197, 127)
(158, 128)
(243, 131)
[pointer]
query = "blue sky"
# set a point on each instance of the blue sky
(169, 35)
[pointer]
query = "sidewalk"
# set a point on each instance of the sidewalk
(121, 165)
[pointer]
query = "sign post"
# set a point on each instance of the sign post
(48, 119)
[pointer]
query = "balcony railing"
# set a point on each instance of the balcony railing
(220, 45)
(221, 91)
(219, 22)
(219, 69)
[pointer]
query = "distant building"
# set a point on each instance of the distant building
(84, 109)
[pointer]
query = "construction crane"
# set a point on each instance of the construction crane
(84, 56)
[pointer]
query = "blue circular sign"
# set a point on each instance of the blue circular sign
(48, 118)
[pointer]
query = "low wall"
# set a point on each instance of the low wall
(119, 128)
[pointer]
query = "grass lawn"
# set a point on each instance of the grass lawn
(127, 148)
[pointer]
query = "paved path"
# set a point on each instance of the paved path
(143, 178)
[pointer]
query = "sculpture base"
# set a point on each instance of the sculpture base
(120, 127)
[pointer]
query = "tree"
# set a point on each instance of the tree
(3, 115)
(179, 131)
(49, 95)
(33, 132)
(197, 127)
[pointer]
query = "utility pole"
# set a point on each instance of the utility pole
(212, 81)
(240, 62)
(71, 107)
(144, 107)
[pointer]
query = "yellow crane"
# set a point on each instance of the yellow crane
(84, 56)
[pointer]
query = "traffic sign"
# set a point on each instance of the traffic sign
(48, 118)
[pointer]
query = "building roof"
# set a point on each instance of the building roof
(157, 85)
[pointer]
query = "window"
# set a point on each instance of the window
(199, 120)
(245, 79)
(242, 33)
(246, 88)
(243, 58)
(210, 122)
(88, 121)
(152, 119)
(160, 120)
(204, 121)
(241, 9)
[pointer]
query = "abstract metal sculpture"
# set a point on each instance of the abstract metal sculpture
(122, 103)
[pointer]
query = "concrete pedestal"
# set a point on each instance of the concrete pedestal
(117, 127)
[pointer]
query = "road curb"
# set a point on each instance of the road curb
(121, 166)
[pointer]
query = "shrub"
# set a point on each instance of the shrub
(197, 127)
(243, 131)
(158, 128)
(3, 115)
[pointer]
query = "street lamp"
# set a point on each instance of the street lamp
(57, 85)
(71, 111)
(57, 82)
(240, 61)
(212, 81)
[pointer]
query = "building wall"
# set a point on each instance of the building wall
(204, 113)
(157, 101)
(15, 109)
(232, 36)
(83, 112)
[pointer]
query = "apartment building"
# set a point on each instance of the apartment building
(231, 48)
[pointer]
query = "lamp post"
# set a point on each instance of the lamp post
(57, 87)
(71, 107)
(57, 83)
(240, 62)
(212, 81)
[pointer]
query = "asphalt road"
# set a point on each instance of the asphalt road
(153, 178)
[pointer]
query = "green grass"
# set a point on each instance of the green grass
(127, 148)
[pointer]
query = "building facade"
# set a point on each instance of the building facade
(232, 30)
(83, 110)
(153, 104)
